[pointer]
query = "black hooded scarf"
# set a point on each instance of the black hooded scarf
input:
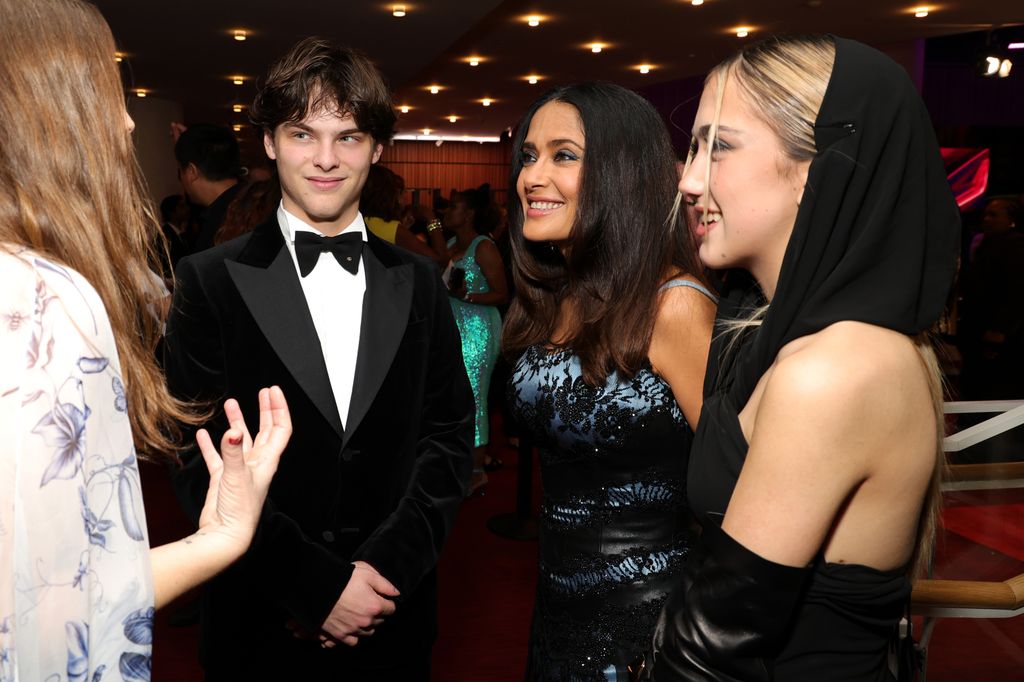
(876, 240)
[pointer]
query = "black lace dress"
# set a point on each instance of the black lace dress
(614, 527)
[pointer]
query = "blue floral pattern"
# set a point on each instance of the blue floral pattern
(76, 593)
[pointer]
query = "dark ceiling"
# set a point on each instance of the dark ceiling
(184, 51)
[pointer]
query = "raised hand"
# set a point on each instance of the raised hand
(240, 474)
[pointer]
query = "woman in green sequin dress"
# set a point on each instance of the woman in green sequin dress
(477, 285)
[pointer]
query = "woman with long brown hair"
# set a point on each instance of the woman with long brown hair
(611, 323)
(815, 182)
(80, 393)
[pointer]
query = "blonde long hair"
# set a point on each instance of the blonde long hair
(784, 82)
(71, 189)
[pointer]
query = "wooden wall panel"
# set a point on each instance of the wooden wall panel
(454, 165)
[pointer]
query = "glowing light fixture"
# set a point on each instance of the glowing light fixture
(453, 118)
(596, 47)
(241, 35)
(696, 3)
(238, 80)
(474, 61)
(119, 57)
(644, 68)
(921, 12)
(404, 109)
(398, 11)
(532, 79)
(237, 127)
(434, 89)
(995, 66)
(1004, 68)
(141, 92)
(1015, 46)
(743, 31)
(439, 139)
(426, 131)
(237, 108)
(486, 101)
(533, 20)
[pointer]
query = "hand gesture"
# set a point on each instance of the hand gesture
(362, 606)
(240, 474)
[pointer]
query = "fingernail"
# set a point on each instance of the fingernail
(237, 440)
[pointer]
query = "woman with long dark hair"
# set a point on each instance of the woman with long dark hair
(815, 182)
(611, 325)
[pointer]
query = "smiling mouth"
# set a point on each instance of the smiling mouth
(325, 183)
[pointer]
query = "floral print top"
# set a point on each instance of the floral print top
(76, 592)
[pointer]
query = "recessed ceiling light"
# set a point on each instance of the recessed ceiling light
(696, 3)
(238, 80)
(240, 35)
(596, 47)
(453, 118)
(434, 89)
(404, 109)
(140, 92)
(398, 11)
(644, 68)
(532, 79)
(426, 131)
(533, 20)
(474, 61)
(921, 12)
(1015, 46)
(119, 57)
(743, 31)
(237, 127)
(237, 108)
(486, 101)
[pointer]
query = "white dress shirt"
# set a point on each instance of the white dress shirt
(335, 300)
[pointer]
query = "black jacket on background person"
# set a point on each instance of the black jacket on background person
(384, 490)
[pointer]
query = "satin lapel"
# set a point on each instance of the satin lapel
(385, 317)
(275, 299)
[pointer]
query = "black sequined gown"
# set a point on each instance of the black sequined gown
(614, 526)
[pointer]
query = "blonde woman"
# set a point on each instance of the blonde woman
(815, 181)
(80, 393)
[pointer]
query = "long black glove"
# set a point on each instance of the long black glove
(729, 617)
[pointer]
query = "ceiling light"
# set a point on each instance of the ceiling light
(474, 61)
(398, 11)
(1015, 46)
(921, 12)
(533, 20)
(453, 118)
(237, 108)
(696, 3)
(434, 89)
(404, 109)
(743, 32)
(532, 79)
(645, 68)
(596, 47)
(240, 35)
(238, 80)
(119, 56)
(237, 127)
(139, 92)
(486, 101)
(426, 136)
(993, 65)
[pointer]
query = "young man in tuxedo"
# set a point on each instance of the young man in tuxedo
(339, 583)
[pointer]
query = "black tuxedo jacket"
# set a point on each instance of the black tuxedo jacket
(385, 489)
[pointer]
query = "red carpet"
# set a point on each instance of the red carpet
(487, 584)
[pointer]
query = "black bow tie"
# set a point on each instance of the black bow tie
(345, 247)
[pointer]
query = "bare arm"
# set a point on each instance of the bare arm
(239, 479)
(679, 346)
(489, 259)
(434, 248)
